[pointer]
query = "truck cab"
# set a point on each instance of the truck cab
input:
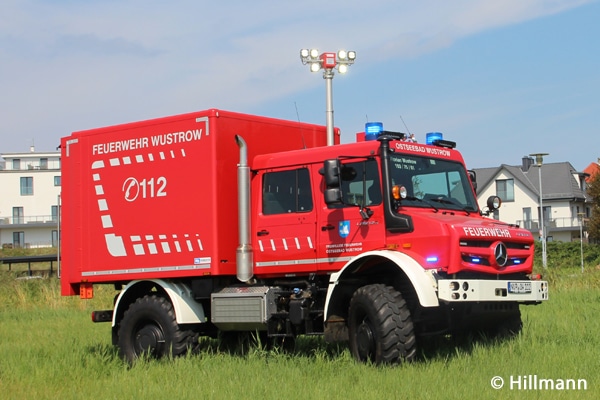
(391, 219)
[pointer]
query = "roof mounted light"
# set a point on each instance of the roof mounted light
(437, 139)
(373, 130)
(433, 136)
(445, 143)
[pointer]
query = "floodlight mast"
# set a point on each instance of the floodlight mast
(328, 62)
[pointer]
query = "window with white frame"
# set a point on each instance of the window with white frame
(505, 189)
(27, 186)
(18, 215)
(18, 239)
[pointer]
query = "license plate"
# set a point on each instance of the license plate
(519, 287)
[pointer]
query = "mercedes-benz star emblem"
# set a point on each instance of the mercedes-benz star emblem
(501, 254)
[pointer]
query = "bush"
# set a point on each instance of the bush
(568, 254)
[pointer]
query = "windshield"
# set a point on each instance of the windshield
(432, 182)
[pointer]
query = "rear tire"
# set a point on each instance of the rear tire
(149, 327)
(380, 326)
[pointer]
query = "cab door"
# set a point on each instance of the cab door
(285, 228)
(357, 224)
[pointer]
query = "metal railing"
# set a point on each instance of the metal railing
(558, 223)
(34, 219)
(45, 258)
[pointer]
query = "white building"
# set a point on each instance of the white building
(30, 188)
(564, 197)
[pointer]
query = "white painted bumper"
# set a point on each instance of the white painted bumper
(470, 290)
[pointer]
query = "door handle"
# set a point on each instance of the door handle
(327, 227)
(264, 232)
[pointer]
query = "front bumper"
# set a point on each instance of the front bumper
(475, 290)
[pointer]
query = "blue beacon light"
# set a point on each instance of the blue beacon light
(433, 136)
(373, 130)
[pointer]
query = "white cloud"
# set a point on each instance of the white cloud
(75, 64)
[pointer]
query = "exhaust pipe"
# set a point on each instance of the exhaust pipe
(244, 255)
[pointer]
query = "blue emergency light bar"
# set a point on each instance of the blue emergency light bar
(437, 139)
(433, 136)
(373, 130)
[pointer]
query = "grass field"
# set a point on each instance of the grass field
(50, 349)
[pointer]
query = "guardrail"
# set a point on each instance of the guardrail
(51, 258)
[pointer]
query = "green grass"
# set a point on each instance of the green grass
(50, 349)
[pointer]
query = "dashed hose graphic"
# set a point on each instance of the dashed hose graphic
(141, 244)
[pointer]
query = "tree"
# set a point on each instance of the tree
(593, 190)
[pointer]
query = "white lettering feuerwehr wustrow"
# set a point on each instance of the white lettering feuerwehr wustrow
(145, 142)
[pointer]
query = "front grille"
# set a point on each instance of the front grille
(481, 253)
(488, 243)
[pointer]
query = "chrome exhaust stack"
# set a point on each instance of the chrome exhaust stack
(244, 254)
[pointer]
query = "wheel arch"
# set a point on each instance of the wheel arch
(393, 268)
(187, 310)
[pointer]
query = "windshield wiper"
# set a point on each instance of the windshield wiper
(412, 198)
(446, 200)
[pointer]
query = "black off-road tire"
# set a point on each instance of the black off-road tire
(149, 328)
(380, 326)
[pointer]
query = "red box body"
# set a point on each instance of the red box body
(158, 198)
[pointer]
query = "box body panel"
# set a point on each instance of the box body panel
(158, 198)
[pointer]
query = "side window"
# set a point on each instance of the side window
(287, 192)
(361, 184)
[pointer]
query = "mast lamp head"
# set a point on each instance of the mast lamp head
(328, 60)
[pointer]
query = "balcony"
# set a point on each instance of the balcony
(553, 225)
(31, 222)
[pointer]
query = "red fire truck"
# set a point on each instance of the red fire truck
(218, 223)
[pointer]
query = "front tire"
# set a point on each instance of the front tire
(380, 326)
(149, 327)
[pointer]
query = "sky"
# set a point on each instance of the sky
(503, 79)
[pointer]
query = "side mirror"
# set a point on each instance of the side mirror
(473, 178)
(333, 196)
(331, 172)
